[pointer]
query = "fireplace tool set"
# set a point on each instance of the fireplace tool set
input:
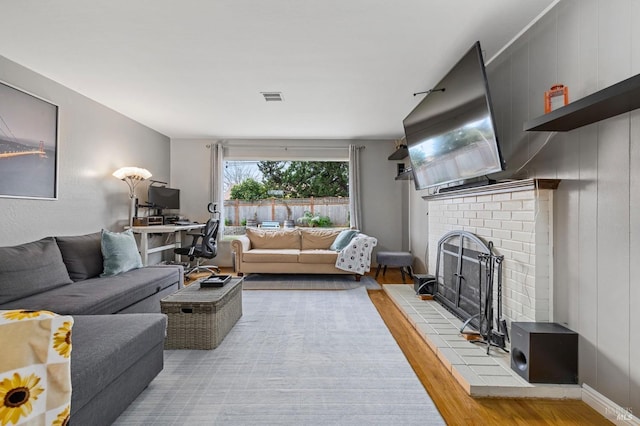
(498, 337)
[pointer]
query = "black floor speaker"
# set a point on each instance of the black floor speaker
(544, 352)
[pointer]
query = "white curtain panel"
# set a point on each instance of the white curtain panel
(217, 176)
(354, 187)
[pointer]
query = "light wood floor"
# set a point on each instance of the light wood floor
(455, 405)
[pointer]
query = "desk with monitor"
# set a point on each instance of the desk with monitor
(146, 231)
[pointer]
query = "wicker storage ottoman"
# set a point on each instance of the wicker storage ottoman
(199, 318)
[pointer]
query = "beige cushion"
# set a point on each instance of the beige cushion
(283, 239)
(318, 238)
(318, 256)
(271, 256)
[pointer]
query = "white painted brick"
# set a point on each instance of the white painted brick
(464, 206)
(493, 206)
(463, 222)
(483, 198)
(483, 232)
(523, 195)
(469, 200)
(505, 196)
(452, 207)
(527, 216)
(494, 224)
(512, 205)
(457, 200)
(528, 226)
(503, 234)
(484, 214)
(471, 229)
(521, 257)
(512, 225)
(512, 245)
(447, 201)
(529, 205)
(525, 237)
(470, 214)
(457, 214)
(508, 254)
(477, 222)
(477, 206)
(501, 215)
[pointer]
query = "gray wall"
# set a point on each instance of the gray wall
(93, 142)
(586, 45)
(383, 198)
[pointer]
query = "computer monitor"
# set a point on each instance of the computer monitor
(164, 198)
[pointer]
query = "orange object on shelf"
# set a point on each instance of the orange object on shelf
(556, 97)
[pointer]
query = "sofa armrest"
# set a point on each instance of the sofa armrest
(178, 268)
(239, 245)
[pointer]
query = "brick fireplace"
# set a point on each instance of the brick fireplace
(518, 218)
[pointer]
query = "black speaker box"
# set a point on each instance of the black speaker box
(424, 284)
(544, 352)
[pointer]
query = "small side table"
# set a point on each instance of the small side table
(200, 318)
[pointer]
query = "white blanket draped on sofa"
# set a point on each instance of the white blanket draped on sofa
(356, 256)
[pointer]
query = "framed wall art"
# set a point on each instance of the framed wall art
(28, 145)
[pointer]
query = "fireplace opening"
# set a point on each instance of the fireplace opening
(467, 273)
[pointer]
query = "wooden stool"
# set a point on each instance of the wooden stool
(400, 259)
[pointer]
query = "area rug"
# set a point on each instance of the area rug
(307, 282)
(294, 358)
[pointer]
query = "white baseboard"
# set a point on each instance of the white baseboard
(609, 409)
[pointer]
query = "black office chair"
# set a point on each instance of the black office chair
(204, 244)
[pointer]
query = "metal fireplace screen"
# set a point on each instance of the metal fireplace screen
(460, 275)
(465, 272)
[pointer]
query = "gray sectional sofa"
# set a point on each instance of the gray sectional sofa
(114, 357)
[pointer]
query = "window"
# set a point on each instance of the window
(304, 193)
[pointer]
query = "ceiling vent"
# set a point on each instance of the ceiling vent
(272, 96)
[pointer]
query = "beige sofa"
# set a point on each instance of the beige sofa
(295, 251)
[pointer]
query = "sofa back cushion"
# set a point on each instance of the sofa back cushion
(119, 252)
(318, 239)
(31, 268)
(282, 239)
(343, 239)
(81, 255)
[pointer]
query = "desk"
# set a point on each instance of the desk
(144, 232)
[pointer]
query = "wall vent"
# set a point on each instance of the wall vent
(272, 96)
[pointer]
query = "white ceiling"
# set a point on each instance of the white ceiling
(347, 69)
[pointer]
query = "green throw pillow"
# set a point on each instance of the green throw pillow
(343, 238)
(119, 252)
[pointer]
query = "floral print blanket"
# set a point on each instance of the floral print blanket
(35, 371)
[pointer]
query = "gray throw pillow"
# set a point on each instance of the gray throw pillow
(343, 238)
(31, 268)
(82, 255)
(119, 252)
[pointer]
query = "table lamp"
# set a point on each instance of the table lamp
(132, 176)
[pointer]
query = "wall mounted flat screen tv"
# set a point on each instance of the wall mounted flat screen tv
(451, 134)
(161, 197)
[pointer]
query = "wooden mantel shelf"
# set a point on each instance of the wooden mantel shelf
(497, 188)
